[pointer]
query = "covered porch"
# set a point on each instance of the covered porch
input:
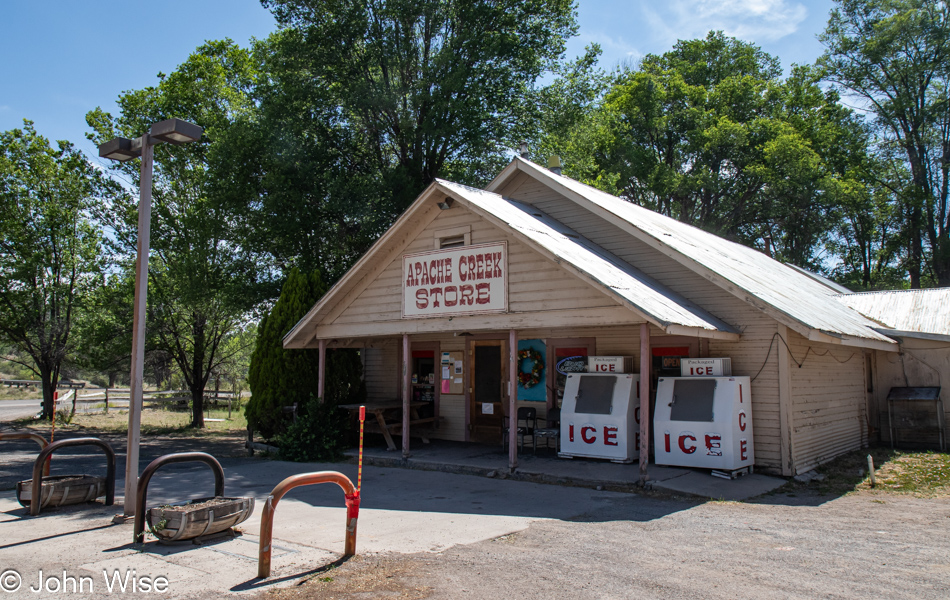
(455, 401)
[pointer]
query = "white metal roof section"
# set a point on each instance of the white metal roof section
(789, 291)
(920, 311)
(633, 287)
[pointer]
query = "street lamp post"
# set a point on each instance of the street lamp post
(173, 131)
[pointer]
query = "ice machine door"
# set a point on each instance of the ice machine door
(693, 400)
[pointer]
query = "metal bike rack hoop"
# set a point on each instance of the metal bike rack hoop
(48, 450)
(267, 517)
(138, 534)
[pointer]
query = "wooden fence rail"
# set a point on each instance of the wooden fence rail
(119, 398)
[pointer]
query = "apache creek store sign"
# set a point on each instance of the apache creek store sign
(456, 281)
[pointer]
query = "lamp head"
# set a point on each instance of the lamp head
(175, 131)
(119, 149)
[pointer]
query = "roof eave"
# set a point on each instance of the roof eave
(303, 332)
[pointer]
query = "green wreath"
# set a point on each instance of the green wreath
(529, 379)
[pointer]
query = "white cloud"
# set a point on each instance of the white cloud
(750, 20)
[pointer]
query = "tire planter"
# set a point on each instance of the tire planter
(62, 490)
(199, 517)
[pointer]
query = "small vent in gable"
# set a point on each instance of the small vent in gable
(453, 241)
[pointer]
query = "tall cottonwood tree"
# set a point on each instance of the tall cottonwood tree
(708, 133)
(204, 282)
(50, 259)
(895, 56)
(431, 88)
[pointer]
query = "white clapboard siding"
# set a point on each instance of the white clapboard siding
(829, 407)
(534, 284)
(380, 373)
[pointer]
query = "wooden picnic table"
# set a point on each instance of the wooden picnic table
(389, 419)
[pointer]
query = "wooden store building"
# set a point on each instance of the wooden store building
(541, 264)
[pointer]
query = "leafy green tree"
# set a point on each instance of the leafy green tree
(50, 259)
(297, 170)
(431, 88)
(279, 377)
(204, 282)
(894, 55)
(104, 330)
(709, 134)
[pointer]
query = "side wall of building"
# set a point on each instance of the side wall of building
(921, 363)
(829, 401)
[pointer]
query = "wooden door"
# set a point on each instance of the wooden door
(488, 390)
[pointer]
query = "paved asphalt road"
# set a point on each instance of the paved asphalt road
(10, 410)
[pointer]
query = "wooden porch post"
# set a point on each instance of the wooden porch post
(405, 395)
(321, 369)
(512, 400)
(644, 400)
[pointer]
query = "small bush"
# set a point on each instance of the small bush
(317, 434)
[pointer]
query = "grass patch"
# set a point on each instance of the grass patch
(22, 393)
(917, 473)
(923, 474)
(155, 421)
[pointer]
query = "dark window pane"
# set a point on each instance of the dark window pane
(693, 400)
(595, 394)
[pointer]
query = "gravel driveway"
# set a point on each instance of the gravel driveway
(865, 545)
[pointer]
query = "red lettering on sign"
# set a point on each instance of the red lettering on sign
(435, 293)
(496, 258)
(740, 393)
(743, 450)
(570, 431)
(484, 293)
(480, 266)
(448, 270)
(682, 443)
(666, 440)
(741, 420)
(610, 435)
(584, 431)
(463, 265)
(451, 289)
(636, 414)
(422, 299)
(468, 294)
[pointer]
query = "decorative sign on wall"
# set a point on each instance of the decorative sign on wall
(531, 371)
(455, 281)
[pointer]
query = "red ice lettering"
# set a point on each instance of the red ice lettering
(682, 443)
(584, 431)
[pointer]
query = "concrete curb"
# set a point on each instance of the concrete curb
(492, 473)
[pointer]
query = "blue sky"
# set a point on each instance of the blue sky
(64, 58)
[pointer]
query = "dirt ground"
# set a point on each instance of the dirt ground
(862, 545)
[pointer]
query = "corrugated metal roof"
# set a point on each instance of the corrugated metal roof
(648, 296)
(923, 311)
(788, 290)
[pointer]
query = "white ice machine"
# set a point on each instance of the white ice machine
(703, 422)
(600, 416)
